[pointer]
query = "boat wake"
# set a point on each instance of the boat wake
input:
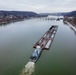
(29, 69)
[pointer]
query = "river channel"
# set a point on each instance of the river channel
(16, 46)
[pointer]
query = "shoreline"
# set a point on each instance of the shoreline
(71, 26)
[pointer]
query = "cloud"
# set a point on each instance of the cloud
(38, 5)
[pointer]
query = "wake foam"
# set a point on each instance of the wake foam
(29, 69)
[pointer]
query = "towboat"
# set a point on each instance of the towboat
(36, 54)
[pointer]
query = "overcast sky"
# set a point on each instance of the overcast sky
(38, 5)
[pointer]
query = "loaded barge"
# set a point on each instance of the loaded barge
(44, 43)
(47, 39)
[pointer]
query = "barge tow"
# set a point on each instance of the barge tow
(44, 43)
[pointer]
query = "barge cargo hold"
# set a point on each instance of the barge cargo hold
(47, 39)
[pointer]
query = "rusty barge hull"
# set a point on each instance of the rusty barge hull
(46, 40)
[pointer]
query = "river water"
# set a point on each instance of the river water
(16, 46)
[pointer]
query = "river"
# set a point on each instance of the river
(16, 46)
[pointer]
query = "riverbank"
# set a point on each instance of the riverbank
(71, 20)
(14, 16)
(11, 18)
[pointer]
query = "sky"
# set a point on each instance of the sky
(39, 6)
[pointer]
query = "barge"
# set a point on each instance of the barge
(47, 39)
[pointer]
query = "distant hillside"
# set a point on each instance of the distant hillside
(15, 13)
(33, 14)
(54, 14)
(73, 14)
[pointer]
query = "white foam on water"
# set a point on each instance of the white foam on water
(29, 69)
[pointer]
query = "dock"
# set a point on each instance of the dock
(46, 40)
